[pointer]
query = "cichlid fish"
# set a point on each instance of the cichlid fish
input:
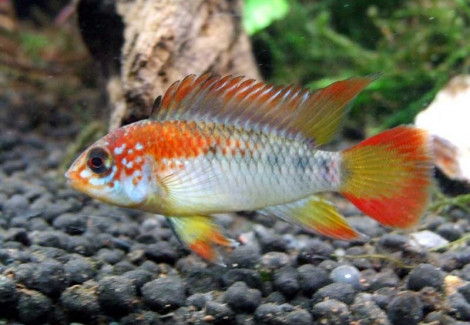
(217, 145)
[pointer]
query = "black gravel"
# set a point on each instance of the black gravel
(425, 275)
(164, 294)
(405, 308)
(65, 258)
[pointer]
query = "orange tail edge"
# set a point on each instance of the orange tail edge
(389, 176)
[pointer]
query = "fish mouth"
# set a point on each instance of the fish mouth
(71, 180)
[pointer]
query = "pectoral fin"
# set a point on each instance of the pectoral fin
(316, 214)
(199, 234)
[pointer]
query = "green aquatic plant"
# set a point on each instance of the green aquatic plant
(416, 45)
(259, 14)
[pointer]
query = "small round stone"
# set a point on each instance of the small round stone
(286, 281)
(465, 291)
(425, 275)
(122, 267)
(151, 267)
(331, 311)
(312, 278)
(162, 252)
(198, 300)
(242, 299)
(80, 245)
(244, 256)
(33, 307)
(450, 231)
(70, 223)
(405, 308)
(49, 278)
(268, 314)
(79, 270)
(359, 263)
(274, 260)
(116, 295)
(140, 318)
(272, 242)
(299, 317)
(164, 294)
(339, 291)
(275, 298)
(367, 312)
(202, 280)
(393, 241)
(48, 238)
(18, 235)
(459, 307)
(221, 313)
(138, 277)
(439, 317)
(8, 294)
(314, 252)
(81, 302)
(383, 296)
(250, 277)
(347, 274)
(366, 226)
(450, 261)
(383, 279)
(15, 205)
(110, 256)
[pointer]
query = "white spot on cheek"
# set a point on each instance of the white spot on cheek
(138, 159)
(104, 180)
(85, 173)
(130, 151)
(139, 146)
(120, 150)
(129, 164)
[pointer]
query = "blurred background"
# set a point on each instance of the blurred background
(418, 46)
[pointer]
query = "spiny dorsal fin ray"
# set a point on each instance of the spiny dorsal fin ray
(290, 111)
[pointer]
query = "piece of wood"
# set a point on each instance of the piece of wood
(163, 41)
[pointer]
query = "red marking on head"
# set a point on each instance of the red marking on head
(161, 140)
(136, 180)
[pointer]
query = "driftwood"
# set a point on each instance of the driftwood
(143, 46)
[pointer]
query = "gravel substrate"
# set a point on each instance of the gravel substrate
(66, 258)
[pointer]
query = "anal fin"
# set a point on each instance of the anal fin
(200, 234)
(316, 214)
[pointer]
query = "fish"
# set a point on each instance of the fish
(227, 144)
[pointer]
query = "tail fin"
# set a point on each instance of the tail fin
(388, 176)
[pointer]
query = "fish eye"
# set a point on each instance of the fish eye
(99, 161)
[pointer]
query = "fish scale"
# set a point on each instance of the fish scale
(259, 179)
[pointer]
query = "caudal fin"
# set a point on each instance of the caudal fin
(388, 176)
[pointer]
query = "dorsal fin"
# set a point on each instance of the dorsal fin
(290, 111)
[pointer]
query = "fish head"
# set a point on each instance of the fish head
(114, 170)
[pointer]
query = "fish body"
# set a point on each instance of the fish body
(218, 145)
